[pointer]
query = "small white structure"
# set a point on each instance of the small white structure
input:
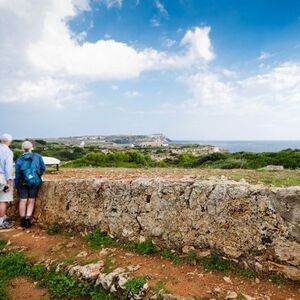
(51, 161)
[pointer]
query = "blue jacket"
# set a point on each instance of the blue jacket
(36, 159)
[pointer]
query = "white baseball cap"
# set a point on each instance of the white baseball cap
(6, 137)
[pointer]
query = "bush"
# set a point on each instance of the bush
(117, 159)
(229, 164)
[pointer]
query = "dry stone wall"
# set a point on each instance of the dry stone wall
(250, 223)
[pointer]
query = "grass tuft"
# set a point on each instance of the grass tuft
(160, 288)
(98, 239)
(167, 254)
(54, 229)
(146, 247)
(3, 244)
(134, 285)
(108, 265)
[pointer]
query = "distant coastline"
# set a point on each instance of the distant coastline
(251, 146)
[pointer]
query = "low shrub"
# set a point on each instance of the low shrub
(134, 285)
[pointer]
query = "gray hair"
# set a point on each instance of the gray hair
(6, 137)
(27, 146)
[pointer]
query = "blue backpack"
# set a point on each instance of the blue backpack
(29, 169)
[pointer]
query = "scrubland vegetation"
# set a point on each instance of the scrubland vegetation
(95, 156)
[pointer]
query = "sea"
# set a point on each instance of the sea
(249, 146)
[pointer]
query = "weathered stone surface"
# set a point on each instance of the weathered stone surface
(108, 281)
(288, 252)
(290, 272)
(89, 272)
(242, 221)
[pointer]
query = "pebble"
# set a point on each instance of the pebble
(82, 254)
(187, 249)
(227, 279)
(258, 267)
(71, 245)
(231, 295)
(217, 290)
(104, 252)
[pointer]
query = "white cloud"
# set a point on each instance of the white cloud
(207, 89)
(199, 43)
(264, 55)
(161, 8)
(276, 89)
(154, 22)
(115, 87)
(168, 43)
(37, 43)
(112, 3)
(132, 94)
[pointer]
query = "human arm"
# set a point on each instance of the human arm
(8, 169)
(8, 166)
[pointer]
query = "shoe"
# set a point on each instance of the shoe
(8, 219)
(6, 224)
(28, 223)
(23, 222)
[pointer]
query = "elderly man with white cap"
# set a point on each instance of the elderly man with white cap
(6, 179)
(29, 169)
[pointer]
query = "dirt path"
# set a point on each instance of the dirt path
(23, 289)
(182, 279)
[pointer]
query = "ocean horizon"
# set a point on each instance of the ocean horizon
(249, 146)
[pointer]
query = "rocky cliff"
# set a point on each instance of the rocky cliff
(257, 225)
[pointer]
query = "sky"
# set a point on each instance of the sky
(190, 69)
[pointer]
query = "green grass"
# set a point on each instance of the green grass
(215, 263)
(98, 239)
(146, 247)
(168, 254)
(12, 265)
(59, 285)
(192, 258)
(54, 229)
(277, 279)
(134, 285)
(108, 265)
(160, 287)
(281, 182)
(3, 243)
